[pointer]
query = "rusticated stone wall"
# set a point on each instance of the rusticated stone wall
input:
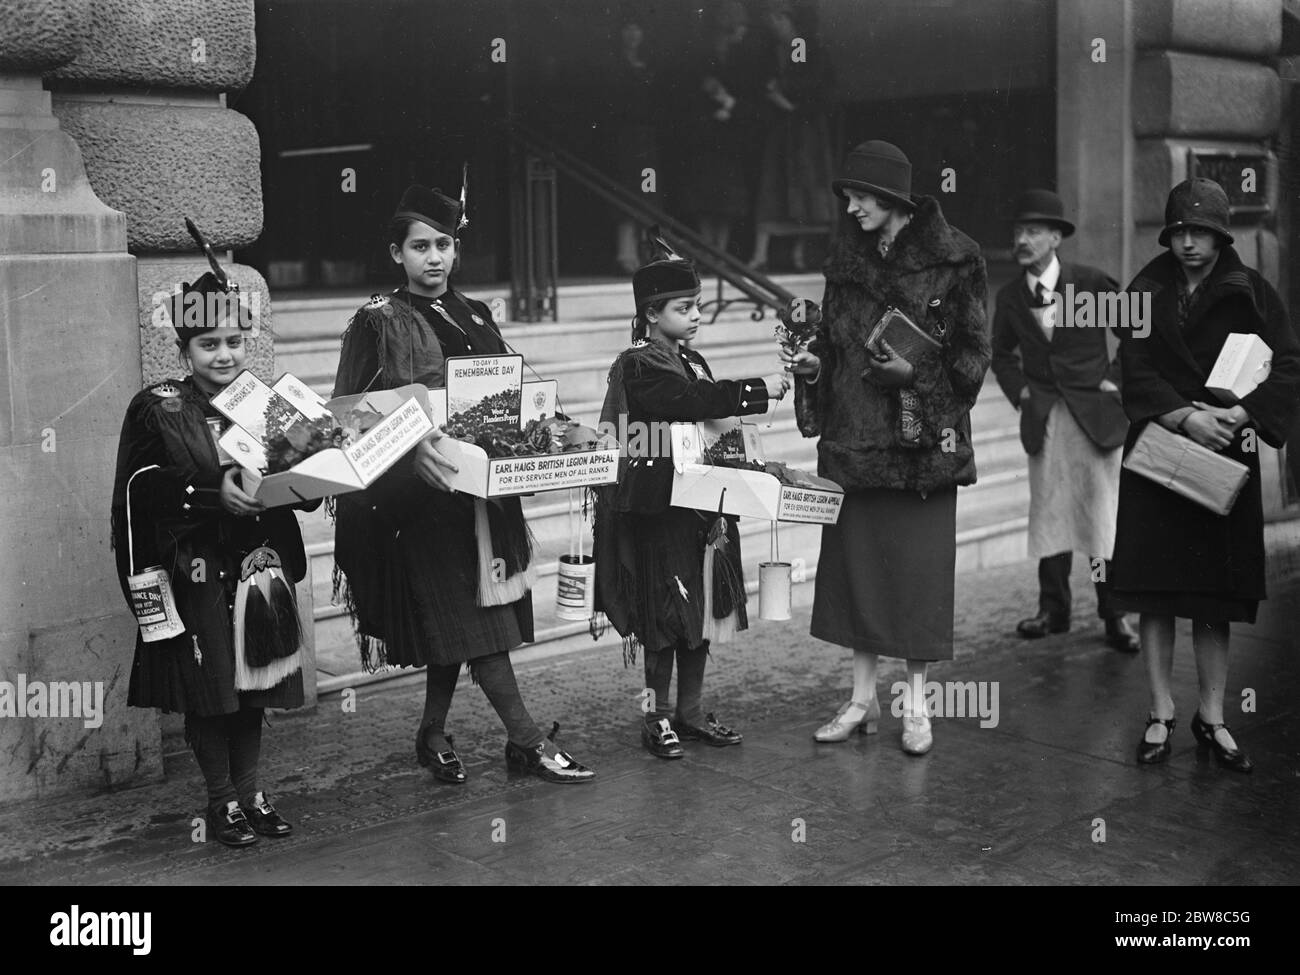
(113, 129)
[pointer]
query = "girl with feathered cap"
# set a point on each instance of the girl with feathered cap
(670, 579)
(433, 578)
(230, 562)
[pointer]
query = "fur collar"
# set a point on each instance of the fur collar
(926, 242)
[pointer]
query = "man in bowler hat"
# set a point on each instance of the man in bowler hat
(1064, 381)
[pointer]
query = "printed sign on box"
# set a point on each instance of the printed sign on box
(484, 391)
(738, 490)
(400, 421)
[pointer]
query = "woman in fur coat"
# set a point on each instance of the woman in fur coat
(895, 434)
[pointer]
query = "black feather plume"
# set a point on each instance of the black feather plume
(660, 250)
(217, 270)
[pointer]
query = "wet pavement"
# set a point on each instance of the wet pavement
(1048, 795)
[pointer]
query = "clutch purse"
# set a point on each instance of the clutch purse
(1184, 466)
(903, 335)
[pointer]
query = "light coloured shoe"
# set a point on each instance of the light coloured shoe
(917, 735)
(838, 729)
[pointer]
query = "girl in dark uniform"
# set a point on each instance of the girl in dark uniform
(408, 550)
(190, 516)
(656, 579)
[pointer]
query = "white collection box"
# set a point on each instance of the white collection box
(498, 477)
(404, 422)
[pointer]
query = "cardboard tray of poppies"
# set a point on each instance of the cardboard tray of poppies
(720, 465)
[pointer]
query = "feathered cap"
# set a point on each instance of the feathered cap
(211, 301)
(667, 276)
(433, 207)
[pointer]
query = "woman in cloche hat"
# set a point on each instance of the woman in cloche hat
(1173, 557)
(895, 433)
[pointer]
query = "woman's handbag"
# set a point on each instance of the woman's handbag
(152, 599)
(1184, 466)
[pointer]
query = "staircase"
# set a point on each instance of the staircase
(577, 351)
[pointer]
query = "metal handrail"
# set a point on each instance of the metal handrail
(756, 288)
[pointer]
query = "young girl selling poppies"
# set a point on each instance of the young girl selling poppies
(416, 559)
(225, 645)
(651, 558)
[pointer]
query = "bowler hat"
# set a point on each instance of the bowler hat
(433, 207)
(1197, 202)
(879, 168)
(1042, 206)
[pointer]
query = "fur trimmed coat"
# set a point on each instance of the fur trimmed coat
(935, 275)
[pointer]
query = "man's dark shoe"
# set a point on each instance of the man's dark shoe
(230, 826)
(1041, 625)
(1121, 635)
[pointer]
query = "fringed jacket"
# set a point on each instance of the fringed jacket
(178, 522)
(935, 275)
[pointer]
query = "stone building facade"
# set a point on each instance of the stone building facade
(114, 127)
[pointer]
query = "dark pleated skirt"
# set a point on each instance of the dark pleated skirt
(415, 587)
(669, 565)
(885, 574)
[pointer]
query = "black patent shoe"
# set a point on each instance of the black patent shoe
(447, 766)
(1121, 636)
(1151, 753)
(717, 735)
(230, 826)
(1041, 625)
(561, 769)
(1230, 758)
(660, 740)
(264, 819)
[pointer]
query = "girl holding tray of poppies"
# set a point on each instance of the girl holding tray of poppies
(434, 578)
(670, 579)
(226, 644)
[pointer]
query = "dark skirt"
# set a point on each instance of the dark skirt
(668, 549)
(1204, 607)
(165, 675)
(885, 576)
(413, 587)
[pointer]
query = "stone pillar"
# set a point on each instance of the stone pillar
(67, 298)
(1094, 132)
(146, 101)
(1182, 80)
(124, 104)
